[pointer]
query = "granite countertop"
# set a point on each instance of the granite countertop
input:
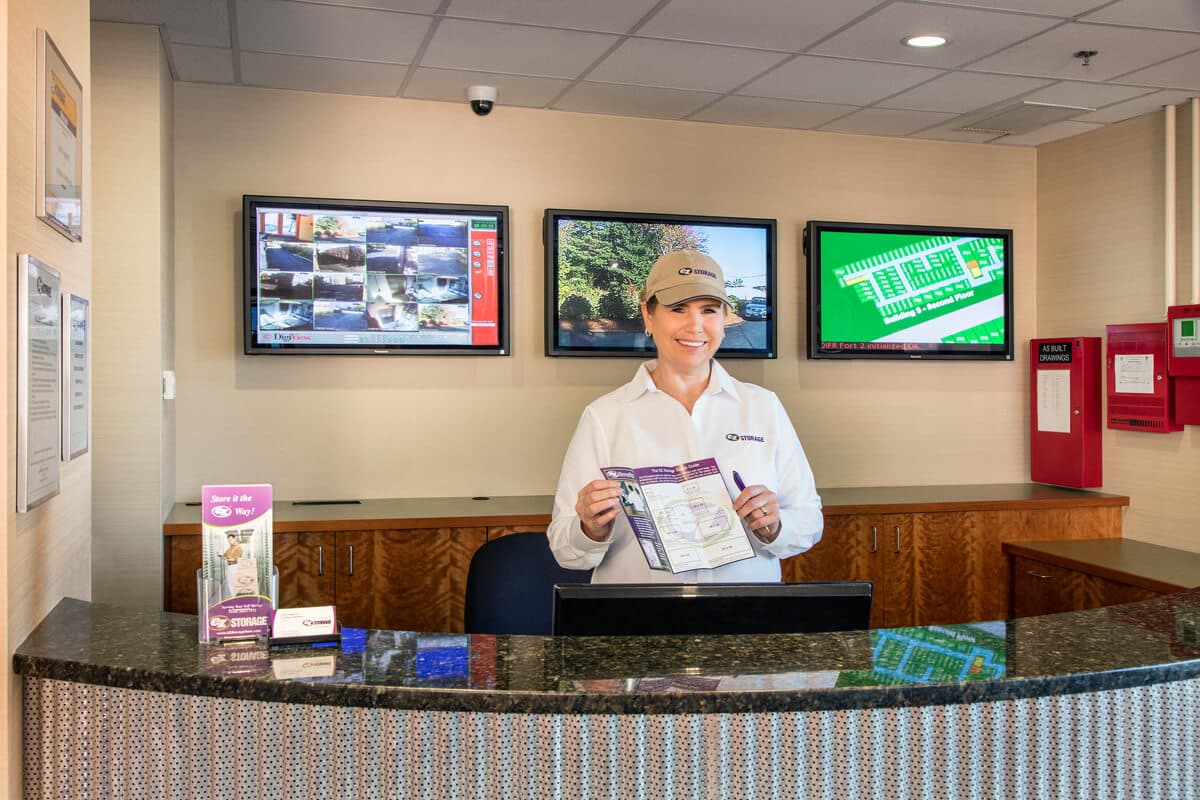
(1138, 644)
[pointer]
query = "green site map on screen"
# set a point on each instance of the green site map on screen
(880, 287)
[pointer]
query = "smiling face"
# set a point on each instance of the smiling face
(688, 334)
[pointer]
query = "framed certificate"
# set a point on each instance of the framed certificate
(59, 158)
(39, 372)
(76, 371)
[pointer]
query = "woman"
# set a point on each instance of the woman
(683, 407)
(231, 555)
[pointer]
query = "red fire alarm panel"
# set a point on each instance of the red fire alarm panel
(1064, 400)
(1183, 362)
(1139, 389)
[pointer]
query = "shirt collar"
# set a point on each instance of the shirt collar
(719, 381)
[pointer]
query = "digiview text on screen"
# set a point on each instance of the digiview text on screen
(891, 291)
(326, 276)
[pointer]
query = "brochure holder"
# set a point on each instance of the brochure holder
(240, 622)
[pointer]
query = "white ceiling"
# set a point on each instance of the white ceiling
(835, 65)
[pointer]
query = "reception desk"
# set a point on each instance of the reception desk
(1099, 703)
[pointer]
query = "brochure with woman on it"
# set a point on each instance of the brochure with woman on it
(682, 516)
(237, 561)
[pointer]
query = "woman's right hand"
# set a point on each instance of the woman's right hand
(597, 507)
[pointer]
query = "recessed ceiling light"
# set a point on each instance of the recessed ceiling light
(925, 40)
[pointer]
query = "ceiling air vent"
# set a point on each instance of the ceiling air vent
(1022, 117)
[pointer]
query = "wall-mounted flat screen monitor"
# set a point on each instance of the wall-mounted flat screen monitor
(597, 263)
(367, 277)
(909, 291)
(657, 609)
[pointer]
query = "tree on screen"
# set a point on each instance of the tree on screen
(606, 264)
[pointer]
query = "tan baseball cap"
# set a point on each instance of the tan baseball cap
(683, 275)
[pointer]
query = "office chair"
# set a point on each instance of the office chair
(510, 586)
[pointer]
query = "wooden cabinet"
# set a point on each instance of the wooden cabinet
(1057, 576)
(933, 552)
(938, 567)
(411, 579)
(849, 550)
(1041, 588)
(307, 571)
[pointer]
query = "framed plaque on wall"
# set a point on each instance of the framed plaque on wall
(39, 373)
(76, 371)
(59, 158)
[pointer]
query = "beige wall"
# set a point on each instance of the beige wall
(367, 427)
(132, 440)
(1101, 252)
(47, 549)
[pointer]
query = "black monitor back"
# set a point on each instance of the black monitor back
(652, 609)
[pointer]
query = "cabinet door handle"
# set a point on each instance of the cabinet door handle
(1037, 575)
(897, 538)
(874, 539)
(320, 561)
(351, 560)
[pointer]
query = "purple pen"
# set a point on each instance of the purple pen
(737, 481)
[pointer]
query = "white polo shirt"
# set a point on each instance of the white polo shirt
(743, 426)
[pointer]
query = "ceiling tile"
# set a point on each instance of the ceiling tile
(771, 113)
(616, 16)
(146, 12)
(330, 32)
(771, 24)
(515, 49)
(1049, 133)
(887, 122)
(202, 64)
(960, 92)
(633, 101)
(1120, 50)
(321, 75)
(1178, 15)
(682, 65)
(512, 90)
(1145, 104)
(1052, 8)
(204, 22)
(835, 80)
(972, 33)
(1091, 95)
(1177, 73)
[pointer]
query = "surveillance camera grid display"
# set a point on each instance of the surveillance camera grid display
(602, 264)
(375, 279)
(886, 289)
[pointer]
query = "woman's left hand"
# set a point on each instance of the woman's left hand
(759, 507)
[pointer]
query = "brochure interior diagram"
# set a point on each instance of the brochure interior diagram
(922, 288)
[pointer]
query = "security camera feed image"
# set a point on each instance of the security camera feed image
(372, 278)
(600, 263)
(884, 292)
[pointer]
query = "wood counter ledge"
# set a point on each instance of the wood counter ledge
(433, 512)
(1149, 566)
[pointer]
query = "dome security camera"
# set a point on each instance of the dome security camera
(482, 98)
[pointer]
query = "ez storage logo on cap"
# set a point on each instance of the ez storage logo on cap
(697, 271)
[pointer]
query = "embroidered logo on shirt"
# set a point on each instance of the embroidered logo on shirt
(744, 437)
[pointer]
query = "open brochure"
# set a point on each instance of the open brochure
(682, 516)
